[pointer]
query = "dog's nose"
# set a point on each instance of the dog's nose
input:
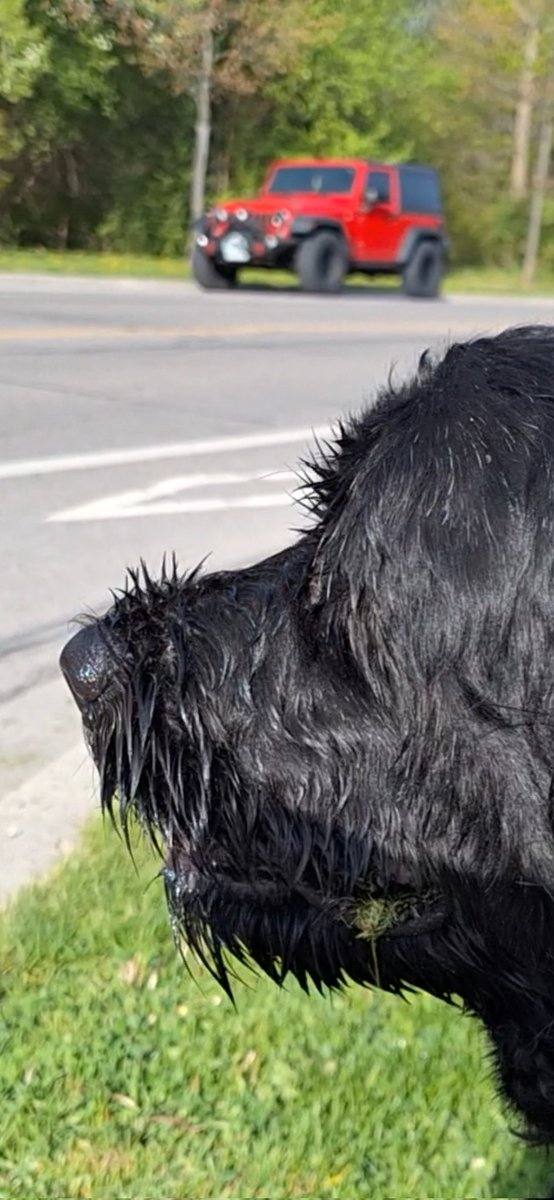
(85, 662)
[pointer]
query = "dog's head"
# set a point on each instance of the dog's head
(345, 752)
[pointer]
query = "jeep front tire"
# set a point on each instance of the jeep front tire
(210, 274)
(423, 273)
(321, 262)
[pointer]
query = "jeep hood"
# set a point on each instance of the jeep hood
(305, 204)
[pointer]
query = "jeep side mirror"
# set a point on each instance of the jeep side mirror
(371, 196)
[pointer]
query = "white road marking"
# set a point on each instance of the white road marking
(117, 458)
(153, 501)
(210, 504)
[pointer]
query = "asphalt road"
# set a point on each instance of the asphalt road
(138, 418)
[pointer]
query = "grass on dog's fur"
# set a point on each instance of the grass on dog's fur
(491, 280)
(120, 1077)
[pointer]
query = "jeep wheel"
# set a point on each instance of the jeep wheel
(321, 263)
(422, 275)
(210, 274)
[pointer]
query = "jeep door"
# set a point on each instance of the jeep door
(375, 230)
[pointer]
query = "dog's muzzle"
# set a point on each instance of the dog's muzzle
(87, 665)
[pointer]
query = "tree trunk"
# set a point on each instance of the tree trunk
(523, 120)
(71, 173)
(202, 128)
(540, 183)
(226, 120)
(72, 185)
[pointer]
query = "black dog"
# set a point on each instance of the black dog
(346, 752)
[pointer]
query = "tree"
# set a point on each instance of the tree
(525, 102)
(545, 32)
(119, 119)
(93, 143)
(65, 80)
(544, 154)
(493, 50)
(210, 49)
(22, 54)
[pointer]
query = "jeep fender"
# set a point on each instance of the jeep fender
(413, 238)
(304, 226)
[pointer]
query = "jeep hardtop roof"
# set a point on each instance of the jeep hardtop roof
(419, 185)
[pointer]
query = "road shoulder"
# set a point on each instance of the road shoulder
(40, 820)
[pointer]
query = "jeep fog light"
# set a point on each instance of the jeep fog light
(271, 241)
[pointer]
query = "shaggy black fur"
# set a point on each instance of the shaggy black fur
(367, 719)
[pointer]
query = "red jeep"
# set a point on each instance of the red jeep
(325, 219)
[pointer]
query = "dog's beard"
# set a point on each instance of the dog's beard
(246, 878)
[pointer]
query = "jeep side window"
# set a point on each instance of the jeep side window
(419, 191)
(378, 184)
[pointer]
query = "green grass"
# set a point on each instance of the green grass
(496, 281)
(491, 280)
(81, 262)
(122, 1078)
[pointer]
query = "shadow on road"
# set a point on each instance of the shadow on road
(348, 292)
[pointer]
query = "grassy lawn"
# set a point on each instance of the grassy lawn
(463, 279)
(495, 281)
(120, 1076)
(77, 262)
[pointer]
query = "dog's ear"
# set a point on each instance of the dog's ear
(432, 578)
(441, 471)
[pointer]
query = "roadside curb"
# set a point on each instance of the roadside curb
(40, 820)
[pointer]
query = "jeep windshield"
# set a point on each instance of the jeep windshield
(320, 180)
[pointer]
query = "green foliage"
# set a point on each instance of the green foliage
(342, 99)
(121, 1076)
(22, 52)
(146, 169)
(97, 109)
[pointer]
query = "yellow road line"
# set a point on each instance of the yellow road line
(56, 333)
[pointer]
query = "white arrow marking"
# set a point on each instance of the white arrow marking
(155, 500)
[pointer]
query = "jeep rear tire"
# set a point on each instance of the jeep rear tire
(423, 273)
(210, 274)
(321, 262)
